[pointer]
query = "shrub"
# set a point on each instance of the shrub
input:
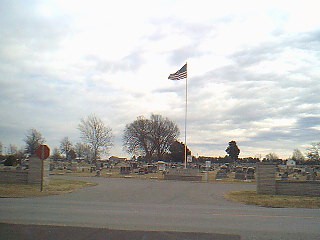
(10, 161)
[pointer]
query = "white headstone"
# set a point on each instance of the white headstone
(291, 163)
(208, 164)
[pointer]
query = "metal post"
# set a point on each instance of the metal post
(42, 157)
(185, 125)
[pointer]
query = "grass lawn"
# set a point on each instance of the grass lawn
(55, 187)
(276, 201)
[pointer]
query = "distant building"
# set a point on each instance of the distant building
(117, 159)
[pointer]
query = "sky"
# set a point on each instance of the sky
(253, 70)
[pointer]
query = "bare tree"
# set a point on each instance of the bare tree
(66, 146)
(83, 151)
(56, 154)
(150, 137)
(33, 139)
(96, 135)
(79, 148)
(13, 149)
(313, 152)
(136, 138)
(297, 155)
(1, 148)
(164, 133)
(272, 157)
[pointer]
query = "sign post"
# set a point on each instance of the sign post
(43, 152)
(208, 166)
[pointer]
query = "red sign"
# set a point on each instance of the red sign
(43, 152)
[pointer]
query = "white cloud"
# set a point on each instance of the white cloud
(252, 70)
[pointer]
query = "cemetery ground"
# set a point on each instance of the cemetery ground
(156, 205)
(55, 187)
(61, 186)
(115, 173)
(274, 201)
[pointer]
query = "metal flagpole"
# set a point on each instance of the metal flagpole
(185, 124)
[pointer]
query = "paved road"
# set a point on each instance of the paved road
(152, 205)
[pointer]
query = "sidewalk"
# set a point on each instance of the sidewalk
(46, 232)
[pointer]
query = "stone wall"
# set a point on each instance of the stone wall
(31, 176)
(266, 179)
(267, 183)
(298, 188)
(34, 176)
(183, 175)
(14, 176)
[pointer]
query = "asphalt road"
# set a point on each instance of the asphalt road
(163, 206)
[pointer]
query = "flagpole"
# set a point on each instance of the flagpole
(181, 74)
(185, 125)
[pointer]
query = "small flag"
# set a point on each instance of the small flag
(182, 73)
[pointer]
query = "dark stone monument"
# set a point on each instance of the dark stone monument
(221, 174)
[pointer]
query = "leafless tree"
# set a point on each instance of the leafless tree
(1, 148)
(272, 156)
(83, 151)
(96, 135)
(33, 139)
(66, 146)
(297, 155)
(137, 138)
(13, 149)
(150, 137)
(313, 152)
(56, 154)
(164, 133)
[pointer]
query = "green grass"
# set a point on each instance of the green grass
(275, 201)
(55, 187)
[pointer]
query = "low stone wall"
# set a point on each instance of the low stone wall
(183, 171)
(14, 176)
(266, 179)
(183, 177)
(267, 183)
(187, 174)
(298, 188)
(30, 176)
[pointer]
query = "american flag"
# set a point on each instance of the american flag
(180, 74)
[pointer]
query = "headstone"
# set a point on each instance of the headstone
(284, 176)
(250, 173)
(239, 174)
(221, 174)
(74, 167)
(291, 163)
(125, 170)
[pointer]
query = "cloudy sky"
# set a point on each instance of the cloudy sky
(253, 70)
